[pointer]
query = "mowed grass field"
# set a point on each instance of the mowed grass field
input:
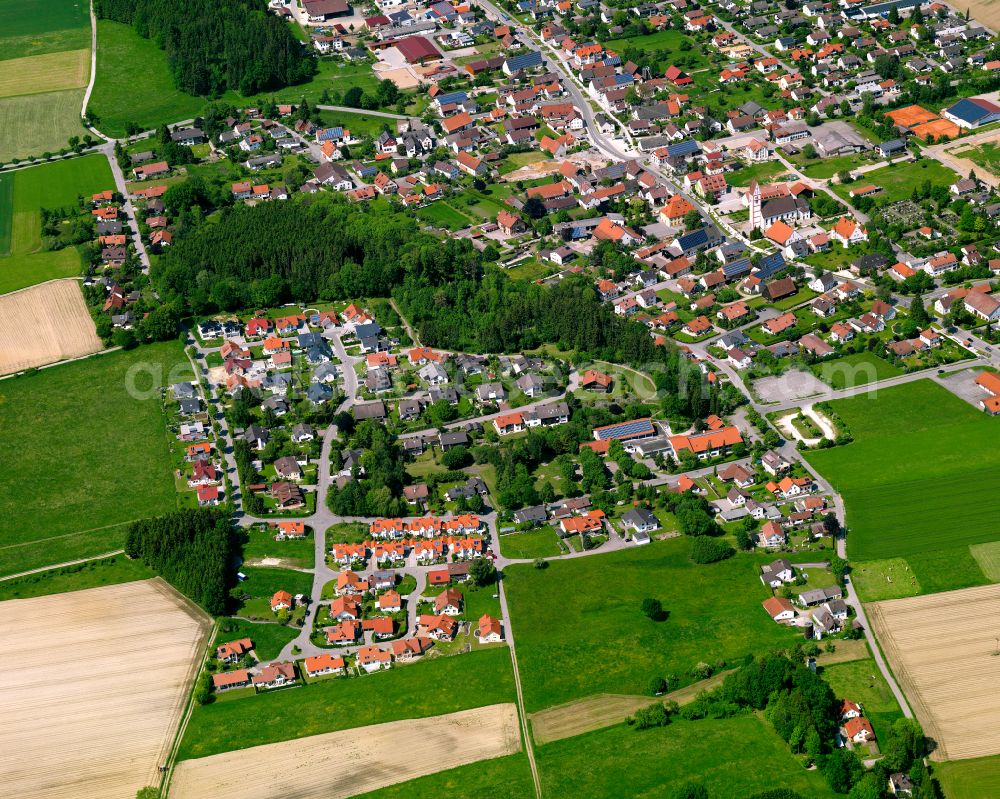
(49, 72)
(970, 779)
(920, 480)
(431, 687)
(733, 757)
(83, 455)
(858, 369)
(580, 630)
(23, 194)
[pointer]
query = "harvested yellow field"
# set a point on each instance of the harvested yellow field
(605, 710)
(44, 324)
(51, 72)
(95, 687)
(943, 650)
(985, 12)
(349, 762)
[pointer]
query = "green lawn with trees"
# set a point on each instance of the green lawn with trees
(900, 179)
(857, 369)
(863, 683)
(628, 762)
(501, 778)
(581, 630)
(431, 687)
(921, 458)
(90, 473)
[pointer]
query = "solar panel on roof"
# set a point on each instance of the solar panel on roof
(624, 430)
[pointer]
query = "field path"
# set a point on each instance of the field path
(93, 74)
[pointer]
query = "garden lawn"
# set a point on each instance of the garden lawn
(261, 545)
(444, 215)
(733, 757)
(268, 639)
(83, 455)
(92, 574)
(501, 778)
(970, 779)
(264, 582)
(765, 172)
(920, 480)
(858, 369)
(359, 124)
(540, 543)
(31, 27)
(431, 687)
(899, 180)
(580, 629)
(862, 682)
(34, 124)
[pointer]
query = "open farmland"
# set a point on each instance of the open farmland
(23, 193)
(604, 710)
(44, 324)
(341, 764)
(569, 617)
(969, 779)
(95, 715)
(734, 757)
(50, 72)
(33, 124)
(501, 778)
(921, 459)
(31, 27)
(96, 453)
(943, 650)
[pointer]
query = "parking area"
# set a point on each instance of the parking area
(963, 384)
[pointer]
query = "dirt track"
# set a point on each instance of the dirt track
(943, 649)
(94, 688)
(350, 762)
(44, 324)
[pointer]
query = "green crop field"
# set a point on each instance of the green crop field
(733, 757)
(36, 17)
(540, 543)
(857, 369)
(970, 779)
(92, 574)
(21, 271)
(6, 211)
(501, 778)
(33, 124)
(431, 687)
(22, 196)
(580, 630)
(82, 456)
(898, 181)
(921, 460)
(862, 682)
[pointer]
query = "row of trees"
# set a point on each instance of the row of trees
(193, 550)
(215, 45)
